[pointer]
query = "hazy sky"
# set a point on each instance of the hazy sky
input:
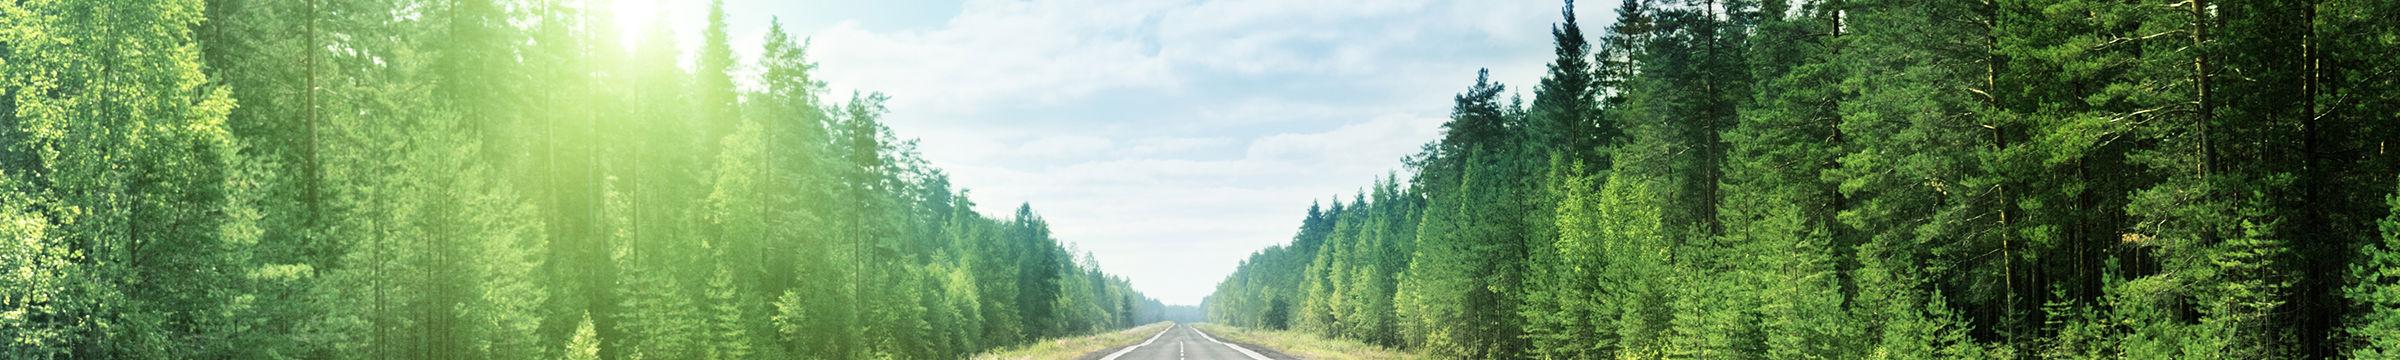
(1170, 139)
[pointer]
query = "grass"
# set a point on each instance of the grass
(1073, 347)
(1305, 345)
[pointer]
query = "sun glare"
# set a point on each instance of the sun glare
(633, 18)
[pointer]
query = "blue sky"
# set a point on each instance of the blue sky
(1169, 138)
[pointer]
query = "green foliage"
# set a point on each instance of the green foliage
(1463, 282)
(1926, 330)
(2077, 331)
(486, 179)
(1565, 108)
(2375, 286)
(120, 178)
(1895, 179)
(728, 333)
(40, 275)
(1832, 179)
(585, 344)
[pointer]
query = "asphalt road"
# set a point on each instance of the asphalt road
(1183, 342)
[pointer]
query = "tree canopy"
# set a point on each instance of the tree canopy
(482, 179)
(1846, 179)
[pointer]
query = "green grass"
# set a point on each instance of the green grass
(1070, 348)
(1305, 345)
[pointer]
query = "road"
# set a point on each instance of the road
(1183, 342)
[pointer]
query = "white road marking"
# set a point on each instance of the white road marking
(1236, 348)
(1114, 355)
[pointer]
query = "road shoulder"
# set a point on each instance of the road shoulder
(1087, 347)
(1300, 345)
(1262, 350)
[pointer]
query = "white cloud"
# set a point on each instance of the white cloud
(1273, 36)
(1064, 146)
(1173, 146)
(996, 51)
(1353, 146)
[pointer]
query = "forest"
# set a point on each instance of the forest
(483, 179)
(1887, 179)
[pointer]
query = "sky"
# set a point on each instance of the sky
(1169, 138)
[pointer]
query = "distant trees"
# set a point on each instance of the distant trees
(481, 179)
(1896, 179)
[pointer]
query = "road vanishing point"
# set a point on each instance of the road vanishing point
(1184, 342)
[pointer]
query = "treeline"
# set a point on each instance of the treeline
(481, 179)
(1865, 179)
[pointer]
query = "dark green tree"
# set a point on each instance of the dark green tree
(1566, 103)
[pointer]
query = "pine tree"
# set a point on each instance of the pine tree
(728, 331)
(1914, 180)
(1381, 236)
(474, 45)
(1319, 279)
(2078, 330)
(564, 174)
(1709, 314)
(1802, 303)
(1786, 139)
(1561, 311)
(1685, 93)
(1467, 270)
(1476, 121)
(585, 344)
(507, 305)
(1930, 333)
(714, 80)
(1565, 104)
(2375, 287)
(965, 301)
(395, 188)
(1634, 257)
(996, 270)
(654, 316)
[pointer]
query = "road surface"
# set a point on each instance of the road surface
(1183, 342)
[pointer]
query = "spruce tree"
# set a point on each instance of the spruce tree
(2374, 286)
(1560, 306)
(1565, 104)
(728, 331)
(585, 343)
